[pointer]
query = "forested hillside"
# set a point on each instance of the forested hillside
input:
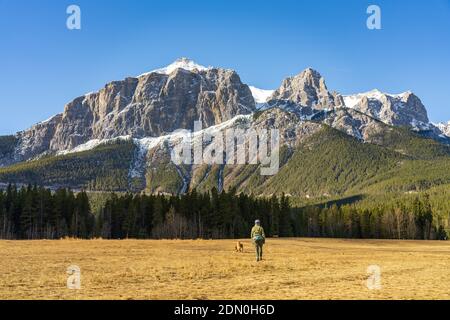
(327, 163)
(105, 168)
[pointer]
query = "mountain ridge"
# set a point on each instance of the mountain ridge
(307, 90)
(135, 121)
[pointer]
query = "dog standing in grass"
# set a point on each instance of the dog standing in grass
(239, 247)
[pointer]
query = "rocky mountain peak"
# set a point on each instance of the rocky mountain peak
(174, 97)
(310, 73)
(307, 89)
(404, 109)
(151, 105)
(181, 63)
(444, 128)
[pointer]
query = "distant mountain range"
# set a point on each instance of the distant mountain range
(120, 137)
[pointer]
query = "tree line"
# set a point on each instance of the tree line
(37, 213)
(405, 220)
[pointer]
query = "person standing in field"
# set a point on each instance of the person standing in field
(259, 238)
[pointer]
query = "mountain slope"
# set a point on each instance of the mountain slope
(151, 105)
(316, 160)
(404, 109)
(103, 168)
(121, 137)
(7, 146)
(329, 163)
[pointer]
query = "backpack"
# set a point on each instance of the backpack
(258, 238)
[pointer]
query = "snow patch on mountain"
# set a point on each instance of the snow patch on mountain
(186, 180)
(48, 120)
(149, 143)
(444, 128)
(420, 126)
(404, 109)
(261, 95)
(137, 168)
(92, 144)
(182, 63)
(351, 101)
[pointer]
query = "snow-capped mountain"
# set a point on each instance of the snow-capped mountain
(152, 105)
(351, 101)
(182, 63)
(403, 109)
(159, 102)
(444, 128)
(130, 127)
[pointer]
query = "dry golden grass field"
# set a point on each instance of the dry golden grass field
(292, 269)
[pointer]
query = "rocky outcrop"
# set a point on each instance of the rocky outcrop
(151, 105)
(162, 101)
(404, 110)
(308, 89)
(444, 128)
(37, 140)
(354, 123)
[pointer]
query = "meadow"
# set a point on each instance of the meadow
(210, 269)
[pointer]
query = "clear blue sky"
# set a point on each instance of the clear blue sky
(43, 65)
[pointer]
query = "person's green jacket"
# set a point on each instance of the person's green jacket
(258, 230)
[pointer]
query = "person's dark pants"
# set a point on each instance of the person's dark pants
(259, 250)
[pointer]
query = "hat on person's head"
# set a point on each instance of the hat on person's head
(257, 222)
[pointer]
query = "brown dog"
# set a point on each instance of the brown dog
(239, 247)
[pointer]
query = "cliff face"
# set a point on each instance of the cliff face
(308, 89)
(138, 118)
(404, 109)
(165, 100)
(151, 105)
